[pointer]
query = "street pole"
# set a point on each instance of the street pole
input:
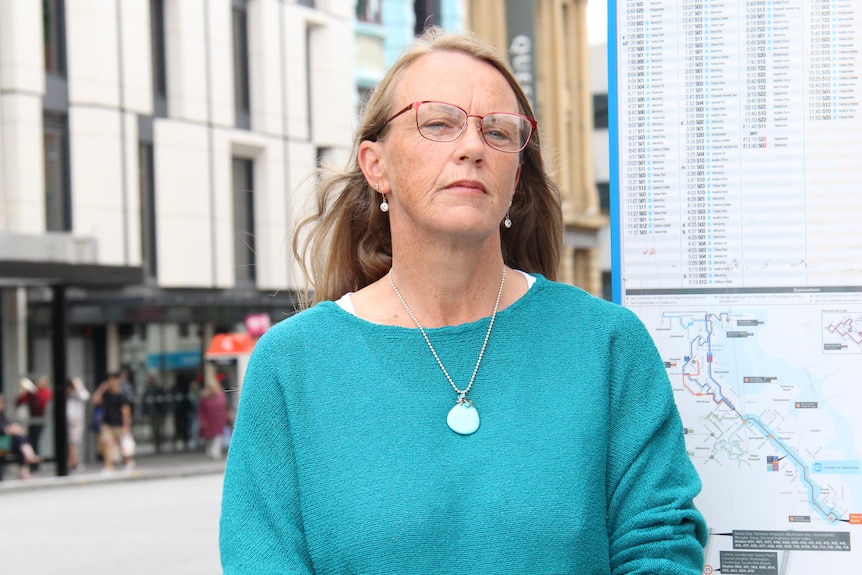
(59, 337)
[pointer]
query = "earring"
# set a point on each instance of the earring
(507, 223)
(384, 205)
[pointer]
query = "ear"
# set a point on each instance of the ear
(370, 161)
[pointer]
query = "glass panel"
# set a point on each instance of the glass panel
(600, 110)
(369, 11)
(53, 30)
(242, 97)
(157, 41)
(244, 252)
(57, 218)
(147, 198)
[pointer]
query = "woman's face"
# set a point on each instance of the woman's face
(462, 188)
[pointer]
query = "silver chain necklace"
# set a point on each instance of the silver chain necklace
(463, 418)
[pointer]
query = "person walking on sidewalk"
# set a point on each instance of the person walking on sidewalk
(117, 423)
(212, 417)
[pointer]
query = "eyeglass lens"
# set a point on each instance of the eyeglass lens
(443, 123)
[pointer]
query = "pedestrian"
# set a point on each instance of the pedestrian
(77, 397)
(14, 440)
(212, 417)
(115, 436)
(36, 399)
(358, 445)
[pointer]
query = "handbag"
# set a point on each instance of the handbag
(127, 445)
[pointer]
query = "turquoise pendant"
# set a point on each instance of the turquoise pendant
(463, 418)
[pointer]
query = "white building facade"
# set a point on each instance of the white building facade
(152, 154)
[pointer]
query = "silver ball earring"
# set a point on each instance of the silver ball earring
(507, 223)
(384, 205)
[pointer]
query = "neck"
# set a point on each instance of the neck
(451, 294)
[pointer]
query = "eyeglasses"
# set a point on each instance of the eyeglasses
(441, 122)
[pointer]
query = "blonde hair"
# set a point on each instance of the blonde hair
(346, 244)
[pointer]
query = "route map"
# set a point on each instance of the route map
(771, 417)
(736, 213)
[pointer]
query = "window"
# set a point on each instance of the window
(363, 95)
(54, 34)
(600, 111)
(607, 286)
(604, 189)
(427, 14)
(243, 220)
(58, 215)
(242, 96)
(159, 60)
(368, 11)
(147, 199)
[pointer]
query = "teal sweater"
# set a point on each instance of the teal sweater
(341, 460)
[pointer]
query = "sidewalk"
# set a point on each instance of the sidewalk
(147, 466)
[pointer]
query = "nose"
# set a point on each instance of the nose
(478, 135)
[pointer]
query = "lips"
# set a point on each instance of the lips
(469, 184)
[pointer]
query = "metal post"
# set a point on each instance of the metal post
(59, 335)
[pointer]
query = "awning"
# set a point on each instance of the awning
(226, 345)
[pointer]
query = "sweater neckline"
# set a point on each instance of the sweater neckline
(341, 313)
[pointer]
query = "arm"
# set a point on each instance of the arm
(261, 529)
(80, 392)
(23, 398)
(127, 418)
(653, 524)
(98, 395)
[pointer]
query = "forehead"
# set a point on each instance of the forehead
(456, 78)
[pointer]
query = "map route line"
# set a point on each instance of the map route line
(805, 473)
(713, 388)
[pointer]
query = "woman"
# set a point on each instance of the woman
(77, 397)
(212, 417)
(449, 413)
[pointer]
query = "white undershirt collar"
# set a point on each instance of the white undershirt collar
(346, 303)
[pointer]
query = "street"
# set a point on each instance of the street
(164, 526)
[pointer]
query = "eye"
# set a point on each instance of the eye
(500, 130)
(439, 121)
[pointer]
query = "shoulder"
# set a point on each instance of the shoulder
(567, 300)
(319, 324)
(319, 317)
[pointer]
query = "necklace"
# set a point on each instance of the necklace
(463, 418)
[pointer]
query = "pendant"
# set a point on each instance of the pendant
(463, 418)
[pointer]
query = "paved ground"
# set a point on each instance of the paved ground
(166, 526)
(177, 464)
(160, 518)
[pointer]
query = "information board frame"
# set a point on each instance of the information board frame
(753, 297)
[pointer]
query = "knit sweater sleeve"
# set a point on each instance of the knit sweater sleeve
(261, 530)
(653, 524)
